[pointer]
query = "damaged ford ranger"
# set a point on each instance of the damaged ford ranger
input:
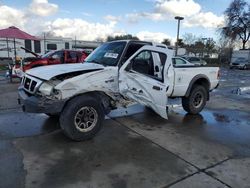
(116, 74)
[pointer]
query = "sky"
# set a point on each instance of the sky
(151, 20)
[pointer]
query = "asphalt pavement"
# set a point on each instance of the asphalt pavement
(136, 148)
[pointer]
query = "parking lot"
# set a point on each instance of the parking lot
(136, 147)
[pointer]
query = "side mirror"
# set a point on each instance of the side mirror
(157, 68)
(130, 65)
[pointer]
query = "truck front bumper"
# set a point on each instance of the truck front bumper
(36, 104)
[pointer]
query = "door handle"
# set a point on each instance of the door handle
(157, 88)
(140, 92)
(111, 80)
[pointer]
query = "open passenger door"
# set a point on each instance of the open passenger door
(138, 81)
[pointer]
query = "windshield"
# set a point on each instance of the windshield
(47, 54)
(107, 54)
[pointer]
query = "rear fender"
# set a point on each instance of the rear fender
(199, 79)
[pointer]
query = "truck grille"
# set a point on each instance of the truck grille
(30, 84)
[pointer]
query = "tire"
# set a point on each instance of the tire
(196, 101)
(10, 75)
(81, 118)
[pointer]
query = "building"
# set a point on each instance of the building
(42, 46)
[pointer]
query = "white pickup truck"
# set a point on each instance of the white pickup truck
(116, 74)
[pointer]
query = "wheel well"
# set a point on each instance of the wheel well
(100, 96)
(198, 81)
(204, 82)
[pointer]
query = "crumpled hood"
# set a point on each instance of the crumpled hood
(48, 72)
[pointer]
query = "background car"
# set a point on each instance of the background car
(18, 67)
(55, 57)
(195, 60)
(240, 63)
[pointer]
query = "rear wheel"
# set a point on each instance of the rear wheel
(196, 101)
(82, 118)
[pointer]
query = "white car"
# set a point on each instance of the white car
(240, 59)
(116, 74)
(240, 63)
(196, 60)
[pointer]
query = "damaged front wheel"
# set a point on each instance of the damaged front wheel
(82, 117)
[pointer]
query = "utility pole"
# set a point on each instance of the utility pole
(15, 49)
(75, 42)
(44, 43)
(7, 40)
(179, 18)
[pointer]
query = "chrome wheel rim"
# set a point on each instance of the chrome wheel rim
(86, 119)
(198, 100)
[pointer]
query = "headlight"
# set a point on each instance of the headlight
(46, 88)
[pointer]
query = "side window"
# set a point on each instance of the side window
(57, 55)
(143, 63)
(145, 55)
(27, 44)
(194, 59)
(37, 46)
(72, 55)
(178, 62)
(66, 45)
(163, 58)
(51, 47)
(132, 48)
(159, 62)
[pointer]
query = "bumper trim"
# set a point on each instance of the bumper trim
(35, 104)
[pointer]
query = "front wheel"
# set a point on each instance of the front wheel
(82, 118)
(196, 101)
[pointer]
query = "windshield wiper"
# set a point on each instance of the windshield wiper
(97, 62)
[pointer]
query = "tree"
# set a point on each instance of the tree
(189, 38)
(237, 25)
(198, 48)
(181, 43)
(210, 46)
(166, 42)
(122, 37)
(225, 48)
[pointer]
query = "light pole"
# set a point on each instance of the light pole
(179, 18)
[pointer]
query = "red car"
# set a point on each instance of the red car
(53, 57)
